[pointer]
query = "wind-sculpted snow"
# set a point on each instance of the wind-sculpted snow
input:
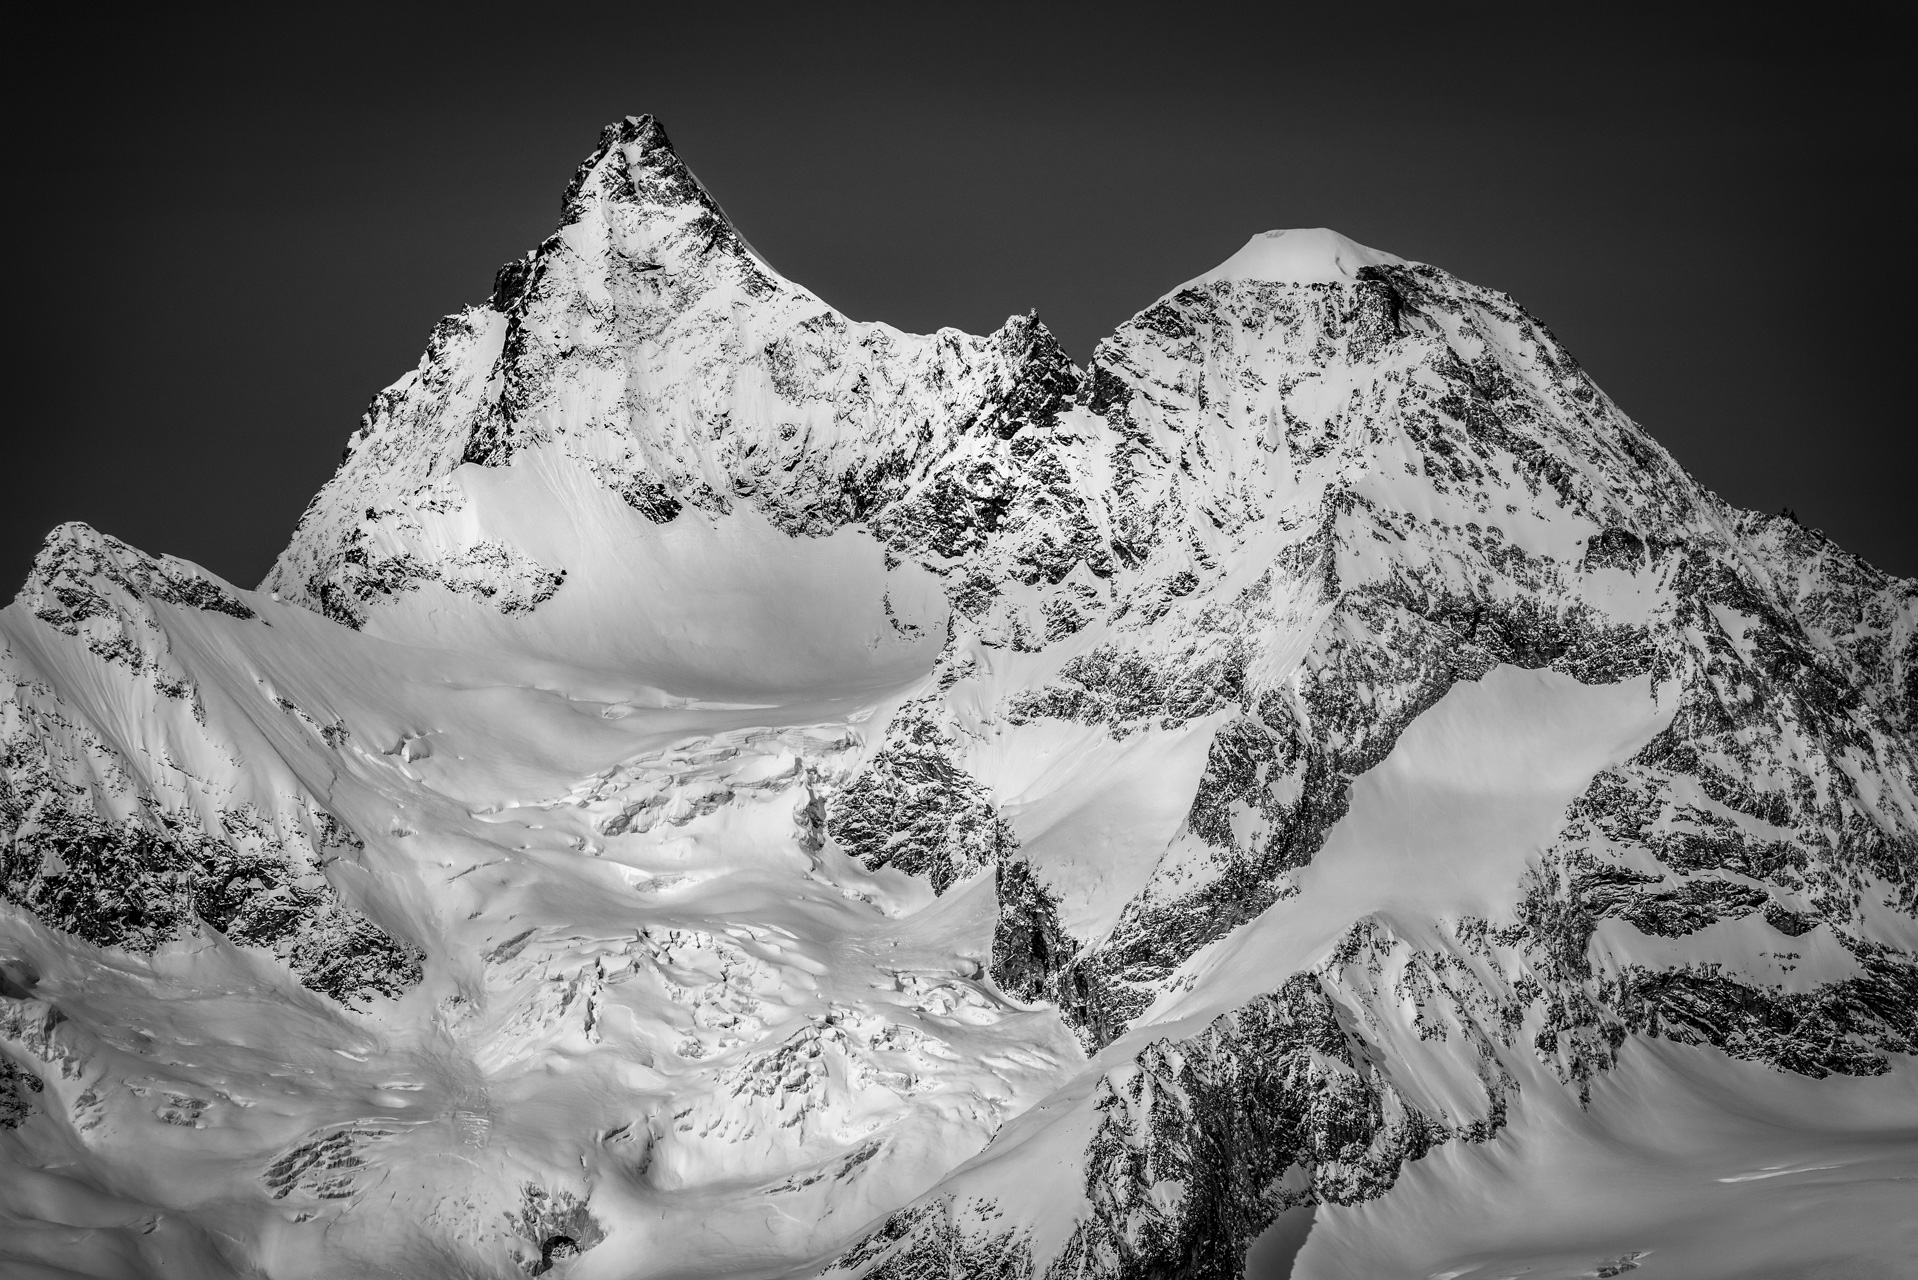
(714, 787)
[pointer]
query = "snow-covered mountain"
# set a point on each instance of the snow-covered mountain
(714, 788)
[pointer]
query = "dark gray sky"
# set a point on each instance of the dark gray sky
(228, 237)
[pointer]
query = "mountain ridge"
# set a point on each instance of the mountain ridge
(1142, 734)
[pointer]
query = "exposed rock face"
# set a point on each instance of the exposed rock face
(810, 773)
(125, 847)
(646, 344)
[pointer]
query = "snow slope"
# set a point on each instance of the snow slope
(714, 788)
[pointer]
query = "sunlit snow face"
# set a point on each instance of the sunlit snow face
(718, 607)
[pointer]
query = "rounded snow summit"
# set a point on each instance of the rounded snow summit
(1302, 255)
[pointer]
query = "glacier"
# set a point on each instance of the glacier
(717, 789)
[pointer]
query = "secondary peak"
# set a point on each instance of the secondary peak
(1305, 255)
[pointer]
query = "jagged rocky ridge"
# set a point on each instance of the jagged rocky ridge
(130, 848)
(661, 599)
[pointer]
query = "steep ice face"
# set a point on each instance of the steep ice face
(716, 788)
